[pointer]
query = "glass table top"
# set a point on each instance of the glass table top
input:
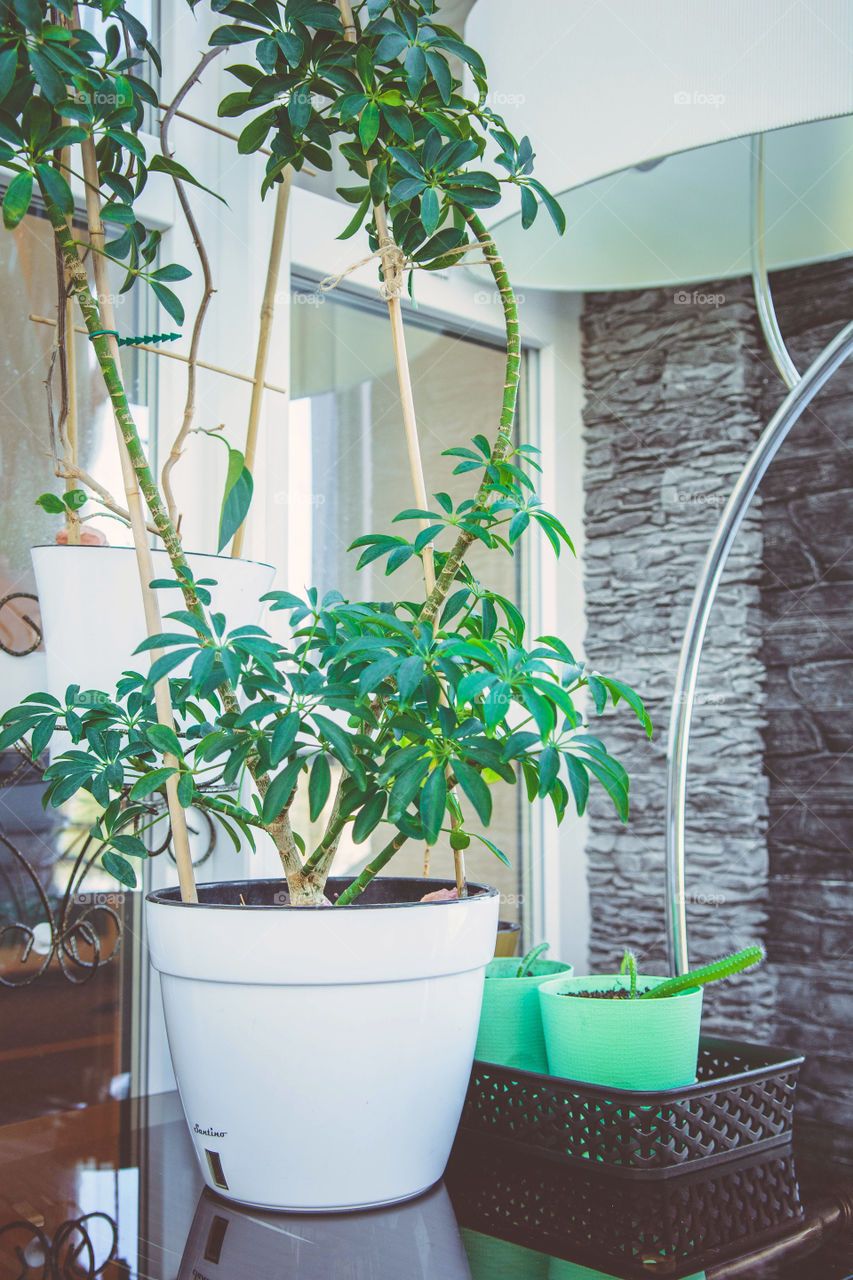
(113, 1190)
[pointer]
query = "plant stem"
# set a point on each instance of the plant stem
(76, 277)
(207, 292)
(503, 441)
(107, 356)
(391, 275)
(373, 868)
(264, 334)
(724, 968)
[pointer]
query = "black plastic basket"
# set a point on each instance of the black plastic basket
(742, 1102)
(629, 1229)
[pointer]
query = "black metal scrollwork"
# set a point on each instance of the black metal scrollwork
(72, 1254)
(67, 933)
(24, 617)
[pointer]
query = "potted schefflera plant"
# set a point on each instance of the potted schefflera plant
(322, 1028)
(627, 1030)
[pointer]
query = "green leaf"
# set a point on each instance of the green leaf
(475, 789)
(255, 133)
(416, 69)
(339, 740)
(356, 220)
(51, 80)
(170, 301)
(430, 210)
(151, 782)
(17, 199)
(579, 782)
(164, 739)
(409, 676)
(51, 503)
(441, 73)
(549, 767)
(119, 867)
(56, 188)
(368, 125)
(279, 791)
(433, 803)
(186, 787)
(368, 817)
(237, 497)
(619, 690)
(76, 499)
(8, 65)
(529, 208)
(555, 209)
(494, 849)
(319, 785)
(283, 737)
(162, 666)
(132, 846)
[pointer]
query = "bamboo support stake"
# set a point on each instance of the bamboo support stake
(264, 335)
(145, 565)
(390, 274)
(72, 521)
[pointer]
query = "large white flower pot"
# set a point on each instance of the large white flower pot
(91, 607)
(322, 1054)
(419, 1240)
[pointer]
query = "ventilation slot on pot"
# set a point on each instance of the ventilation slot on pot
(215, 1166)
(215, 1238)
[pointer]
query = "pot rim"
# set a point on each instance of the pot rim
(87, 546)
(550, 987)
(170, 896)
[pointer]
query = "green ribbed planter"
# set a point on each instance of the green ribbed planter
(511, 1021)
(628, 1044)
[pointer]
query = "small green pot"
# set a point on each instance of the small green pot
(511, 1022)
(627, 1044)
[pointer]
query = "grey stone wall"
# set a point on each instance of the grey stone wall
(807, 650)
(671, 412)
(678, 387)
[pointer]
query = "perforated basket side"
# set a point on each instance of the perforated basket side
(743, 1101)
(589, 1215)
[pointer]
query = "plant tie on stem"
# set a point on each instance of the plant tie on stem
(395, 263)
(146, 338)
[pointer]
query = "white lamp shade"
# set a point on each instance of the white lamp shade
(677, 89)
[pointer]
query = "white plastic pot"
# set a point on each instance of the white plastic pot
(91, 607)
(322, 1054)
(415, 1241)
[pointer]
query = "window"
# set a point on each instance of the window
(349, 474)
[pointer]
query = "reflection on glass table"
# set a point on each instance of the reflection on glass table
(114, 1191)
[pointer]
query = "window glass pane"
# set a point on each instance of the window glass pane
(349, 474)
(60, 917)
